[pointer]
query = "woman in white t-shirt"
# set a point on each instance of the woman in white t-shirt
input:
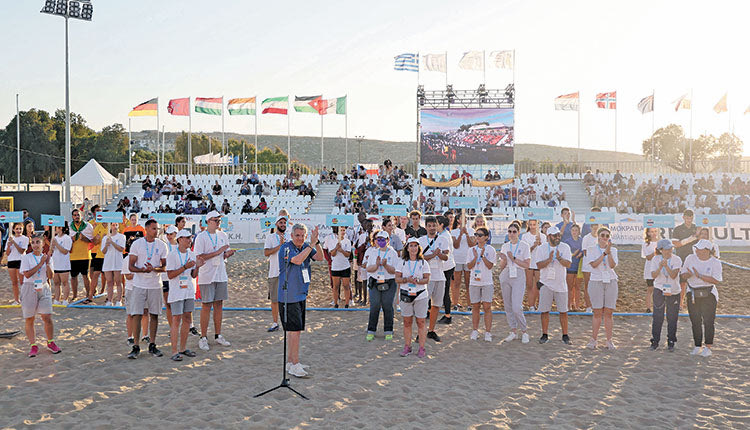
(534, 238)
(463, 238)
(412, 276)
(61, 245)
(36, 295)
(182, 269)
(648, 249)
(703, 271)
(170, 238)
(515, 257)
(113, 245)
(600, 262)
(482, 259)
(380, 263)
(587, 242)
(705, 233)
(340, 248)
(664, 269)
(15, 248)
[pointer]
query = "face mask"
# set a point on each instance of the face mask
(380, 242)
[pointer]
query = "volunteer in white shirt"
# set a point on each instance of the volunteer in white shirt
(15, 247)
(340, 248)
(449, 266)
(435, 250)
(128, 279)
(112, 246)
(36, 295)
(703, 272)
(600, 261)
(553, 261)
(212, 246)
(146, 259)
(170, 238)
(462, 238)
(182, 268)
(648, 250)
(271, 250)
(534, 238)
(60, 246)
(664, 269)
(413, 275)
(380, 263)
(515, 258)
(482, 258)
(587, 242)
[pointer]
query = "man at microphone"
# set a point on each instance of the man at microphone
(294, 281)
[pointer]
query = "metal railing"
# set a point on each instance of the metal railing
(628, 167)
(154, 169)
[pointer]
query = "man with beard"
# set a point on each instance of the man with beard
(552, 261)
(271, 250)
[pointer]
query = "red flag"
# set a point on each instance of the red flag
(179, 107)
(607, 100)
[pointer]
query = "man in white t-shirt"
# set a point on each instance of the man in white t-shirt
(534, 238)
(212, 246)
(588, 241)
(147, 260)
(271, 250)
(553, 261)
(435, 250)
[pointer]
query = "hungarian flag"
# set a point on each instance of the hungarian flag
(337, 106)
(646, 104)
(209, 105)
(682, 103)
(721, 105)
(149, 108)
(607, 100)
(244, 106)
(179, 107)
(567, 102)
(309, 104)
(275, 105)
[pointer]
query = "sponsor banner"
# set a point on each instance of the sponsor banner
(393, 210)
(53, 220)
(710, 220)
(339, 220)
(600, 218)
(544, 214)
(463, 202)
(163, 218)
(658, 221)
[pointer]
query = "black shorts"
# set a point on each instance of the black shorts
(15, 264)
(295, 315)
(346, 273)
(165, 286)
(649, 282)
(62, 271)
(79, 267)
(97, 264)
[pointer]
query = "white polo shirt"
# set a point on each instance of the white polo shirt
(214, 270)
(554, 275)
(480, 275)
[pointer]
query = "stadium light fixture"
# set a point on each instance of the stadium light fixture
(420, 95)
(78, 9)
(359, 139)
(449, 94)
(482, 93)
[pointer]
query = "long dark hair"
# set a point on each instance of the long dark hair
(405, 252)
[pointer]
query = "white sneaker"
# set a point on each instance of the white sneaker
(474, 335)
(591, 344)
(706, 352)
(203, 344)
(589, 310)
(696, 351)
(118, 304)
(297, 370)
(611, 346)
(511, 336)
(289, 364)
(65, 303)
(223, 342)
(55, 302)
(107, 303)
(351, 303)
(532, 309)
(332, 303)
(525, 338)
(16, 303)
(488, 337)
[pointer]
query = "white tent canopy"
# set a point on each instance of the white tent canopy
(92, 175)
(211, 158)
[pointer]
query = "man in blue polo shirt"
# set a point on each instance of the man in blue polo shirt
(294, 281)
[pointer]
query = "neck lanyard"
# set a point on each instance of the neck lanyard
(214, 240)
(179, 255)
(514, 252)
(412, 269)
(150, 253)
(604, 260)
(38, 272)
(668, 266)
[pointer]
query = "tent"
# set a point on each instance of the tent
(97, 183)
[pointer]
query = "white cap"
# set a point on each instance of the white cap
(170, 230)
(213, 214)
(553, 230)
(184, 233)
(280, 217)
(703, 244)
(412, 240)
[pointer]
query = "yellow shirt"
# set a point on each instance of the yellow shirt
(80, 249)
(100, 230)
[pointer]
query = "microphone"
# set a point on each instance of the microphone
(286, 254)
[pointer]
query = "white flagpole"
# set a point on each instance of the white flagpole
(321, 141)
(256, 133)
(691, 130)
(18, 146)
(288, 136)
(223, 149)
(190, 137)
(579, 128)
(616, 157)
(653, 122)
(130, 149)
(158, 163)
(163, 148)
(484, 68)
(346, 130)
(446, 68)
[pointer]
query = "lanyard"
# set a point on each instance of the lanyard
(412, 269)
(179, 255)
(514, 252)
(214, 241)
(481, 256)
(38, 272)
(664, 271)
(150, 254)
(604, 260)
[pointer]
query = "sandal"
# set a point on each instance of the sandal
(177, 357)
(87, 301)
(188, 353)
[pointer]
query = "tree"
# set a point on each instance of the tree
(671, 147)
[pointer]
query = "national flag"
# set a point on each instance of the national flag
(435, 62)
(646, 104)
(683, 102)
(244, 106)
(406, 62)
(472, 60)
(502, 59)
(149, 108)
(607, 100)
(337, 105)
(567, 102)
(209, 105)
(179, 107)
(275, 105)
(721, 105)
(309, 104)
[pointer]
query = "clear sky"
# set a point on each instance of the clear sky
(137, 49)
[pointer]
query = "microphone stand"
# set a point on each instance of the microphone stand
(284, 379)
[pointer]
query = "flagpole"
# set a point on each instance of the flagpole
(346, 128)
(256, 134)
(163, 148)
(446, 69)
(18, 146)
(691, 130)
(130, 150)
(158, 163)
(288, 137)
(484, 68)
(653, 121)
(514, 68)
(190, 141)
(616, 157)
(223, 149)
(321, 141)
(579, 126)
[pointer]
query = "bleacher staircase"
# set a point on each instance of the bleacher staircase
(323, 201)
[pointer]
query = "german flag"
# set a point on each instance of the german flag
(148, 108)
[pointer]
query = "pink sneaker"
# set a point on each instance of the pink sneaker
(34, 351)
(421, 353)
(53, 347)
(406, 351)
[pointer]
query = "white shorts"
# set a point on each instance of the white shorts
(481, 293)
(461, 267)
(416, 308)
(35, 301)
(436, 291)
(546, 296)
(603, 295)
(143, 298)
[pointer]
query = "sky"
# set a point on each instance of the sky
(139, 49)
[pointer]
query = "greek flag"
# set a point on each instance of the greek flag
(406, 62)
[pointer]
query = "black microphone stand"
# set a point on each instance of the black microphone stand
(284, 378)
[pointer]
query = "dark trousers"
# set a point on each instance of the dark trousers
(447, 295)
(670, 304)
(381, 300)
(702, 314)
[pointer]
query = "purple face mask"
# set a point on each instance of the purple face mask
(380, 241)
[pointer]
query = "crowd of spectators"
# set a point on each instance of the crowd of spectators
(370, 193)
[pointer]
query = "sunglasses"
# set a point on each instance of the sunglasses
(606, 236)
(478, 235)
(512, 231)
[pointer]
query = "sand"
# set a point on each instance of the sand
(356, 384)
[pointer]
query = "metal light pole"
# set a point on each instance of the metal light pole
(18, 146)
(359, 140)
(80, 9)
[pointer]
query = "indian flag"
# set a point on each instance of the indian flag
(309, 104)
(241, 106)
(275, 105)
(337, 105)
(208, 105)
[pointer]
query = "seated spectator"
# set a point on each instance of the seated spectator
(148, 194)
(242, 179)
(247, 207)
(217, 189)
(245, 189)
(258, 189)
(226, 208)
(532, 179)
(333, 175)
(262, 206)
(496, 176)
(136, 206)
(254, 178)
(146, 183)
(488, 176)
(266, 189)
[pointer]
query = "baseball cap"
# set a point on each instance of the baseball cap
(184, 233)
(383, 234)
(170, 230)
(553, 230)
(664, 244)
(280, 217)
(213, 214)
(703, 244)
(412, 240)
